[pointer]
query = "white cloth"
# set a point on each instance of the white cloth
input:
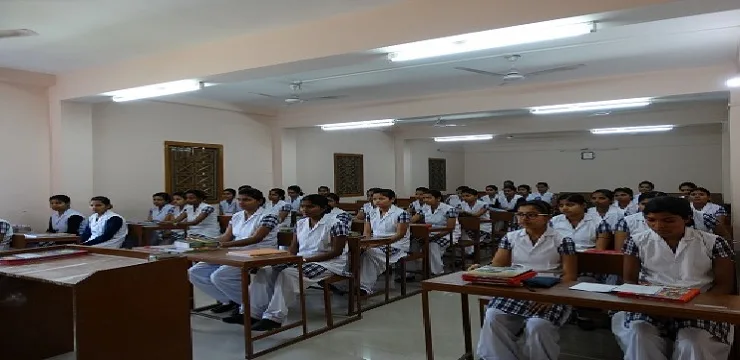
(711, 209)
(546, 197)
(317, 240)
(542, 257)
(506, 204)
(636, 224)
(478, 206)
(277, 207)
(229, 208)
(367, 207)
(272, 293)
(584, 234)
(97, 227)
(438, 218)
(295, 204)
(209, 227)
(498, 337)
(612, 216)
(489, 199)
(243, 228)
(59, 222)
(631, 208)
(372, 261)
(339, 213)
(454, 201)
(416, 206)
(223, 283)
(158, 214)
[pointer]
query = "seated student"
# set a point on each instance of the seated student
(294, 197)
(6, 234)
(228, 205)
(635, 223)
(586, 230)
(524, 191)
(455, 199)
(200, 217)
(336, 211)
(700, 201)
(644, 187)
(510, 199)
(323, 190)
(438, 215)
(541, 248)
(491, 195)
(161, 208)
(104, 227)
(543, 193)
(277, 206)
(604, 208)
(368, 206)
(64, 219)
(673, 254)
(418, 203)
(471, 206)
(252, 228)
(624, 200)
(686, 188)
(320, 239)
(385, 220)
(178, 206)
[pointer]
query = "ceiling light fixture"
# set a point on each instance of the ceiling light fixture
(516, 35)
(359, 125)
(156, 90)
(733, 82)
(464, 138)
(591, 106)
(632, 130)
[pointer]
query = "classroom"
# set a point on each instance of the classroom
(174, 159)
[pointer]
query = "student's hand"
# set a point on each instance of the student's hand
(538, 307)
(473, 267)
(227, 244)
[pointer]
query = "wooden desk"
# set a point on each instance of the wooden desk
(220, 257)
(704, 306)
(144, 231)
(20, 241)
(93, 304)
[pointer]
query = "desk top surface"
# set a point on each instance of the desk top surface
(221, 257)
(68, 271)
(705, 306)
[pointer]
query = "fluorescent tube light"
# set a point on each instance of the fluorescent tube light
(358, 125)
(464, 138)
(733, 82)
(149, 91)
(632, 130)
(516, 35)
(591, 106)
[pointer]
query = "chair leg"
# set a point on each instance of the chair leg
(327, 306)
(482, 311)
(351, 297)
(402, 264)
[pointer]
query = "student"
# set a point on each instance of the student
(524, 191)
(277, 206)
(543, 193)
(104, 228)
(645, 187)
(385, 220)
(510, 199)
(64, 219)
(320, 240)
(686, 188)
(700, 201)
(336, 211)
(323, 190)
(294, 197)
(541, 248)
(491, 195)
(456, 199)
(439, 215)
(178, 207)
(6, 234)
(635, 223)
(252, 228)
(624, 200)
(161, 201)
(228, 205)
(673, 254)
(604, 208)
(244, 187)
(586, 230)
(471, 206)
(368, 206)
(200, 217)
(418, 203)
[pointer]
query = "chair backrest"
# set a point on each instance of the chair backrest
(469, 222)
(223, 221)
(285, 238)
(350, 207)
(358, 226)
(420, 231)
(501, 216)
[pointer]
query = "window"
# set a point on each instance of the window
(349, 175)
(438, 174)
(194, 166)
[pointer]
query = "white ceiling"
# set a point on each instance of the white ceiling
(76, 34)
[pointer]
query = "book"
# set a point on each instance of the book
(46, 235)
(257, 252)
(509, 275)
(663, 293)
(25, 258)
(195, 242)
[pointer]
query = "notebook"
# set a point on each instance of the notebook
(256, 252)
(493, 275)
(660, 293)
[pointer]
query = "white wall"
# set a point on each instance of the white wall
(693, 154)
(422, 150)
(24, 124)
(128, 142)
(315, 157)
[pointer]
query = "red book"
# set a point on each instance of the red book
(491, 275)
(667, 293)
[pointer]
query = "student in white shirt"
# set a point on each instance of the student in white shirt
(64, 219)
(644, 187)
(323, 190)
(201, 218)
(455, 199)
(418, 203)
(320, 240)
(368, 206)
(276, 205)
(386, 220)
(252, 228)
(604, 208)
(228, 205)
(6, 234)
(686, 188)
(543, 193)
(510, 199)
(439, 215)
(471, 206)
(161, 208)
(700, 201)
(491, 195)
(178, 207)
(635, 223)
(104, 228)
(336, 211)
(524, 191)
(673, 254)
(541, 248)
(294, 197)
(586, 230)
(624, 199)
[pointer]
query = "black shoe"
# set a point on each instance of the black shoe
(237, 318)
(409, 279)
(364, 292)
(222, 308)
(266, 325)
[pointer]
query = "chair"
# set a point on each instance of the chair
(223, 222)
(471, 223)
(419, 232)
(496, 217)
(353, 305)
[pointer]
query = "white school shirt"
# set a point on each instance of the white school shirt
(243, 228)
(546, 197)
(317, 240)
(229, 208)
(690, 266)
(631, 208)
(417, 205)
(634, 223)
(277, 207)
(59, 222)
(543, 256)
(7, 229)
(464, 206)
(387, 225)
(160, 214)
(454, 201)
(489, 199)
(209, 227)
(711, 209)
(97, 227)
(438, 217)
(612, 216)
(295, 204)
(584, 234)
(508, 204)
(341, 215)
(367, 207)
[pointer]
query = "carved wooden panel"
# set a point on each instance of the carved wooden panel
(194, 166)
(438, 174)
(349, 175)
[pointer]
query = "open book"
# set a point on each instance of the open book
(257, 252)
(661, 293)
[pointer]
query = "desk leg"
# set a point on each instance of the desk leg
(302, 295)
(248, 343)
(466, 326)
(427, 324)
(388, 274)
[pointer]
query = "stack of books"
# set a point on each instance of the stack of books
(196, 242)
(492, 275)
(257, 252)
(647, 292)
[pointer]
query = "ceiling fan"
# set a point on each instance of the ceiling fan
(514, 75)
(295, 98)
(13, 33)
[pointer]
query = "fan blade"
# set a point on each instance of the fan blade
(482, 72)
(266, 95)
(331, 97)
(557, 69)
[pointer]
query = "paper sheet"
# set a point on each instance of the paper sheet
(593, 287)
(638, 289)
